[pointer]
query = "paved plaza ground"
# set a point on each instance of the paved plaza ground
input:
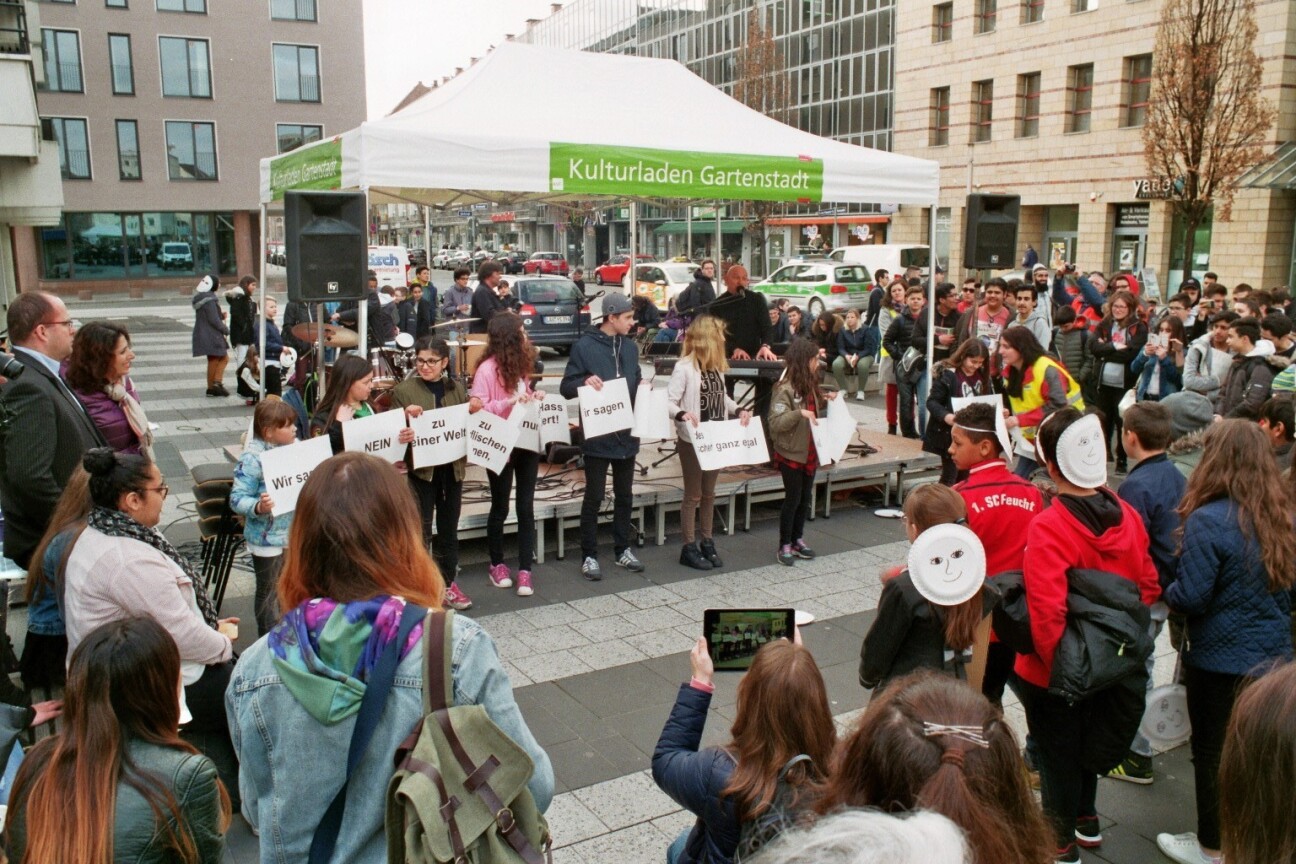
(596, 666)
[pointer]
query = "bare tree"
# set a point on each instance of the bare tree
(762, 85)
(1206, 120)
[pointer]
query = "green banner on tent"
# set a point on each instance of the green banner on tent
(609, 170)
(318, 167)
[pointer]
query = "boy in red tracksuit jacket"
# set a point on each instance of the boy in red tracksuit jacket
(1086, 527)
(1000, 507)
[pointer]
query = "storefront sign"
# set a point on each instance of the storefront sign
(606, 169)
(1132, 216)
(1155, 188)
(440, 436)
(726, 443)
(606, 410)
(286, 470)
(505, 216)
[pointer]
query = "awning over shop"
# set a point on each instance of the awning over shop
(702, 228)
(1276, 172)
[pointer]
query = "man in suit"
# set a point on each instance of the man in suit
(44, 431)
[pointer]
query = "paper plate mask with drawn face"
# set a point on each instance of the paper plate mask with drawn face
(947, 564)
(1081, 454)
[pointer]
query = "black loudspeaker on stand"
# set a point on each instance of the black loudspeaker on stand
(990, 231)
(326, 239)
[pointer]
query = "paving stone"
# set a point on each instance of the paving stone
(626, 801)
(552, 639)
(638, 844)
(570, 821)
(547, 667)
(608, 654)
(603, 607)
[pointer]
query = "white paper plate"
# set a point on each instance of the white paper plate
(889, 513)
(1165, 722)
(947, 564)
(804, 618)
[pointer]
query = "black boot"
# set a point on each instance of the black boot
(707, 547)
(891, 428)
(691, 557)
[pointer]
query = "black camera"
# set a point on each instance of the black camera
(10, 367)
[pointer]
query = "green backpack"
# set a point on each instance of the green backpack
(459, 792)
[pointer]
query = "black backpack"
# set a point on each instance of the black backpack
(781, 815)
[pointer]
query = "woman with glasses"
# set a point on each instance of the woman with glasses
(120, 565)
(439, 489)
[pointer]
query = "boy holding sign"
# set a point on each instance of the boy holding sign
(274, 424)
(603, 355)
(438, 488)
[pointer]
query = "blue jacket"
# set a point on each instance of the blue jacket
(249, 483)
(44, 617)
(607, 357)
(291, 764)
(274, 339)
(855, 341)
(1154, 489)
(694, 779)
(1171, 375)
(1236, 626)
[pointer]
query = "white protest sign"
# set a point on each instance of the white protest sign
(725, 443)
(841, 428)
(652, 414)
(528, 426)
(440, 436)
(491, 439)
(286, 469)
(377, 435)
(824, 444)
(553, 421)
(1001, 428)
(605, 411)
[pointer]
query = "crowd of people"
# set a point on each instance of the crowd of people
(1188, 404)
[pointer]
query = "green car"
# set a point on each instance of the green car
(819, 285)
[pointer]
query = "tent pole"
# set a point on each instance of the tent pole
(931, 298)
(261, 283)
(688, 230)
(719, 243)
(634, 245)
(362, 308)
(427, 237)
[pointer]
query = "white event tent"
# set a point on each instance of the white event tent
(647, 129)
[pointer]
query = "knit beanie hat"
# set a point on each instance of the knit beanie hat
(1189, 412)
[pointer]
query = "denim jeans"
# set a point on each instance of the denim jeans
(1025, 467)
(1141, 745)
(596, 471)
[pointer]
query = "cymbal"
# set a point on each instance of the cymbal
(334, 336)
(456, 323)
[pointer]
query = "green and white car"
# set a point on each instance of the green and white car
(819, 285)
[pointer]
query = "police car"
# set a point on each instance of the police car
(816, 286)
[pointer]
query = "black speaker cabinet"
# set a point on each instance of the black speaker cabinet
(990, 232)
(326, 240)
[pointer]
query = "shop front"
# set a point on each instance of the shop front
(1130, 237)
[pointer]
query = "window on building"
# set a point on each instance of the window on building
(73, 137)
(1137, 88)
(942, 22)
(62, 50)
(983, 20)
(290, 136)
(196, 6)
(1083, 5)
(296, 73)
(1028, 102)
(940, 117)
(293, 10)
(191, 150)
(1079, 97)
(123, 69)
(982, 110)
(186, 67)
(115, 4)
(1032, 11)
(128, 154)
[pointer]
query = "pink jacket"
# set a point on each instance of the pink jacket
(491, 391)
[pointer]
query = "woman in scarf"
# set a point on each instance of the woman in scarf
(121, 565)
(98, 374)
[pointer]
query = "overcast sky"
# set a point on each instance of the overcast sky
(408, 41)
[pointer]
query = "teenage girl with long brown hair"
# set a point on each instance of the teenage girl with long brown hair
(118, 783)
(911, 632)
(797, 403)
(1237, 566)
(782, 712)
(503, 380)
(929, 742)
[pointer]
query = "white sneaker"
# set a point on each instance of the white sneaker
(859, 396)
(1185, 849)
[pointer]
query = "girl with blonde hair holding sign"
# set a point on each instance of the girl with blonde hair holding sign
(696, 394)
(501, 381)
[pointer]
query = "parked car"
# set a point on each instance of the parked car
(549, 307)
(662, 281)
(819, 285)
(613, 271)
(546, 262)
(176, 255)
(512, 260)
(459, 258)
(894, 257)
(418, 257)
(441, 259)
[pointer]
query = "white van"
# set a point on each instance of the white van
(892, 257)
(391, 263)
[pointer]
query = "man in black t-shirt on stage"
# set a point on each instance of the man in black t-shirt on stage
(746, 317)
